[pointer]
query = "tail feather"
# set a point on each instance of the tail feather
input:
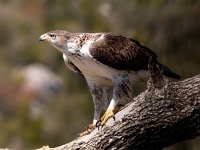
(168, 73)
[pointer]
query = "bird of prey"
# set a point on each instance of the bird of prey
(105, 59)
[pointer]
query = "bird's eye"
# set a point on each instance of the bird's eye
(52, 36)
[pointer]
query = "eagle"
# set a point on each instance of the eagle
(105, 59)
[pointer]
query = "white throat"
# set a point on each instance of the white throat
(71, 47)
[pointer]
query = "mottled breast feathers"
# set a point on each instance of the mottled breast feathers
(121, 53)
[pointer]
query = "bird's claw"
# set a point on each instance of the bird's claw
(108, 114)
(98, 124)
(89, 129)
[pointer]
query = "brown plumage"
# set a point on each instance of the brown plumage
(124, 53)
(121, 53)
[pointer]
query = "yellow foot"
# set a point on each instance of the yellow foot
(89, 129)
(108, 114)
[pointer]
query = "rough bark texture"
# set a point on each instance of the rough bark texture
(155, 119)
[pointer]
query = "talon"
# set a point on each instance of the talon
(89, 129)
(98, 124)
(108, 114)
(113, 117)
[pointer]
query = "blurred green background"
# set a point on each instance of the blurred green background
(41, 101)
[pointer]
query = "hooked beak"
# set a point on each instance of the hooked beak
(42, 38)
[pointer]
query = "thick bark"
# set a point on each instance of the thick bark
(154, 119)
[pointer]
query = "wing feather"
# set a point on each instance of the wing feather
(121, 53)
(70, 65)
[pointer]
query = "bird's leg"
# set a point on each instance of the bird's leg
(121, 90)
(98, 94)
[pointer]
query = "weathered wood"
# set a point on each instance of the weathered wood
(155, 119)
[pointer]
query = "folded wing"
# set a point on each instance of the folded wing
(121, 53)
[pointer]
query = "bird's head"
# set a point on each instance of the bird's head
(56, 38)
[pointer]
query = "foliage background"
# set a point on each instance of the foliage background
(170, 28)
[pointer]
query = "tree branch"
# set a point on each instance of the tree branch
(156, 118)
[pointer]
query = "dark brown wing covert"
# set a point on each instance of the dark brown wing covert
(121, 53)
